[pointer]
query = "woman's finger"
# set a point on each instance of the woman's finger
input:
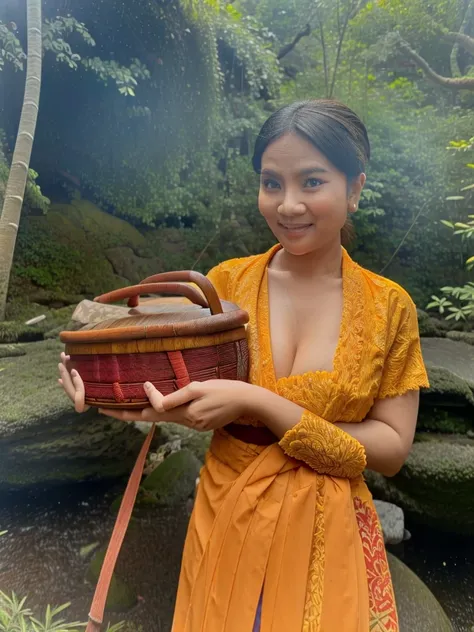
(155, 397)
(182, 396)
(79, 392)
(66, 381)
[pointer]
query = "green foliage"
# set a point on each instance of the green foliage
(463, 308)
(15, 617)
(54, 41)
(11, 50)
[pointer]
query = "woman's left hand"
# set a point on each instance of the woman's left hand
(200, 405)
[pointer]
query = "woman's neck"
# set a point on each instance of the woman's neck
(321, 263)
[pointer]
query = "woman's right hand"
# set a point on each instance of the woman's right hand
(72, 384)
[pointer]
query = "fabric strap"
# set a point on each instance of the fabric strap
(96, 614)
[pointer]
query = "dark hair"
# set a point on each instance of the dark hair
(333, 128)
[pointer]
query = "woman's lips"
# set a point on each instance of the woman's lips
(295, 229)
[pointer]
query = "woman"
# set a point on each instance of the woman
(284, 536)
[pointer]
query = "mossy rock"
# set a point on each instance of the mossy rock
(43, 439)
(61, 254)
(197, 442)
(121, 596)
(17, 331)
(174, 480)
(436, 485)
(11, 351)
(418, 609)
(106, 230)
(446, 420)
(132, 267)
(461, 336)
(447, 389)
(456, 357)
(429, 326)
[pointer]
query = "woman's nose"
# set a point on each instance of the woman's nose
(291, 206)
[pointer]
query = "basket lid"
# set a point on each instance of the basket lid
(160, 318)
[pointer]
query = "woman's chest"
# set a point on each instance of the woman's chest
(304, 325)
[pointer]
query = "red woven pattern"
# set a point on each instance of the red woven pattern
(179, 367)
(120, 378)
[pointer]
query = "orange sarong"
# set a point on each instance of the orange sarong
(252, 528)
(295, 519)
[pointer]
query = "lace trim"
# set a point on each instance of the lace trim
(324, 447)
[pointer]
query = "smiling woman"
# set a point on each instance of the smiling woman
(284, 536)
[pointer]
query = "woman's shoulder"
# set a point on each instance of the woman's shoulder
(227, 274)
(387, 289)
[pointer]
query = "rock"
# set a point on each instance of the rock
(120, 596)
(105, 229)
(430, 326)
(11, 351)
(456, 357)
(418, 609)
(18, 331)
(43, 439)
(436, 485)
(131, 266)
(196, 442)
(174, 480)
(461, 336)
(392, 521)
(448, 419)
(61, 254)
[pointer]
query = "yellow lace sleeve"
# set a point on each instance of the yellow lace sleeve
(219, 276)
(324, 447)
(404, 369)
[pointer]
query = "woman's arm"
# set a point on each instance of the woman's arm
(386, 435)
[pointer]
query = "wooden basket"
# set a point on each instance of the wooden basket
(167, 343)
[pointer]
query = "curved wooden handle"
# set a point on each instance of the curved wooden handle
(133, 292)
(191, 276)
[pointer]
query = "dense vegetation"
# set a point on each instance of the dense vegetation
(150, 110)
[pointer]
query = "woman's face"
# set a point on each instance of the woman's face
(303, 197)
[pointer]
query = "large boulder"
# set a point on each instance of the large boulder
(43, 439)
(452, 355)
(430, 326)
(418, 609)
(448, 405)
(63, 254)
(436, 485)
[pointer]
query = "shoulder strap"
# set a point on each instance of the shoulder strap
(96, 614)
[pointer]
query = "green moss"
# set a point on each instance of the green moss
(447, 389)
(28, 385)
(173, 481)
(446, 420)
(417, 607)
(436, 484)
(429, 326)
(120, 595)
(11, 351)
(462, 336)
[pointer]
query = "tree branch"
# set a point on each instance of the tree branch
(289, 47)
(463, 40)
(459, 83)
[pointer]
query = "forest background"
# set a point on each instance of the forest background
(149, 111)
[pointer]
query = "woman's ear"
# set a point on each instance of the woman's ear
(355, 191)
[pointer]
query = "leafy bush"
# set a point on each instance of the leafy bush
(463, 307)
(15, 617)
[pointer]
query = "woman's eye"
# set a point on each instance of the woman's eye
(271, 184)
(313, 183)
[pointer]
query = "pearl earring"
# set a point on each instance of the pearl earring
(352, 208)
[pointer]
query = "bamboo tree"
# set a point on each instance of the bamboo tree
(15, 189)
